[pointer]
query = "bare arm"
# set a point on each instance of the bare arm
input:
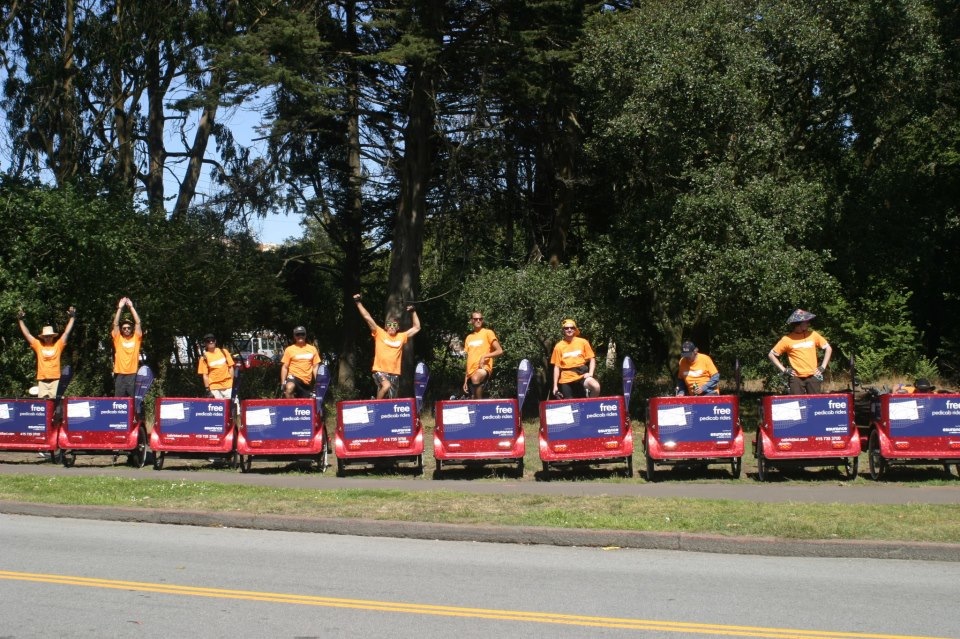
(827, 353)
(776, 361)
(116, 316)
(495, 351)
(72, 312)
(364, 314)
(136, 318)
(23, 327)
(413, 330)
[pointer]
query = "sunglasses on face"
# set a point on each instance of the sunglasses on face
(569, 328)
(476, 319)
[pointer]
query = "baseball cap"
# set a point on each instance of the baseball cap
(687, 348)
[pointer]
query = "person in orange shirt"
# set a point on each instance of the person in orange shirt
(127, 336)
(299, 365)
(801, 346)
(697, 374)
(48, 350)
(573, 363)
(481, 346)
(388, 348)
(216, 367)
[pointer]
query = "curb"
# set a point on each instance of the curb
(688, 542)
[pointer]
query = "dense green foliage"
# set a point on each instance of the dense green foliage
(658, 169)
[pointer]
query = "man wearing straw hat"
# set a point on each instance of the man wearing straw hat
(48, 349)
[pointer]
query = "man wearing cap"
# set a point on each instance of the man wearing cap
(48, 350)
(388, 348)
(216, 367)
(299, 366)
(697, 374)
(573, 363)
(800, 346)
(127, 336)
(481, 346)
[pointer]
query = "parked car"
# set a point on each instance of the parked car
(258, 360)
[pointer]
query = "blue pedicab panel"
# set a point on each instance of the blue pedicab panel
(924, 416)
(695, 423)
(24, 418)
(582, 429)
(279, 422)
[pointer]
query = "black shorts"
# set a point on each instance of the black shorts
(574, 389)
(300, 387)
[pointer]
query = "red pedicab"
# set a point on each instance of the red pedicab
(588, 431)
(102, 426)
(807, 430)
(484, 431)
(695, 431)
(284, 429)
(28, 426)
(107, 425)
(33, 425)
(281, 430)
(478, 431)
(378, 431)
(193, 428)
(382, 431)
(914, 429)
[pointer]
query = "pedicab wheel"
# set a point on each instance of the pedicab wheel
(322, 459)
(651, 467)
(851, 466)
(736, 467)
(437, 468)
(419, 469)
(233, 460)
(69, 458)
(341, 468)
(246, 463)
(763, 471)
(138, 456)
(56, 456)
(629, 469)
(878, 465)
(520, 468)
(546, 471)
(158, 461)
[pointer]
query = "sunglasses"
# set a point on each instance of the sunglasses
(299, 334)
(476, 319)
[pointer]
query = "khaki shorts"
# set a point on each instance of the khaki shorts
(48, 388)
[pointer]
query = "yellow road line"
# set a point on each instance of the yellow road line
(445, 611)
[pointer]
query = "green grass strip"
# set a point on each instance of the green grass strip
(911, 522)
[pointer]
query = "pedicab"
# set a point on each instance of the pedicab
(481, 431)
(589, 431)
(693, 430)
(807, 430)
(914, 429)
(107, 425)
(382, 431)
(285, 429)
(28, 426)
(33, 425)
(193, 428)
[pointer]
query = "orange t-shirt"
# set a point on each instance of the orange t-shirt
(48, 358)
(126, 353)
(699, 371)
(801, 351)
(388, 351)
(477, 344)
(570, 355)
(216, 365)
(301, 362)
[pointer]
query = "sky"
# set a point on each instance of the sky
(274, 229)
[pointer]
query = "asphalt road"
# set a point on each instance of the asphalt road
(93, 578)
(277, 475)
